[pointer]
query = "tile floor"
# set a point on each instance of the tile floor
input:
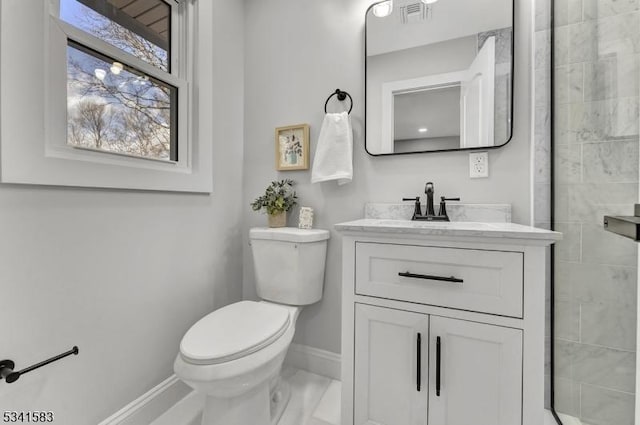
(315, 400)
(566, 420)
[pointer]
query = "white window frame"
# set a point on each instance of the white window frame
(49, 159)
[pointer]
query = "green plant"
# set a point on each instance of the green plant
(278, 197)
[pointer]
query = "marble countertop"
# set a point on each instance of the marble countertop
(471, 229)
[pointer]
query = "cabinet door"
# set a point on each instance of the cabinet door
(480, 374)
(391, 367)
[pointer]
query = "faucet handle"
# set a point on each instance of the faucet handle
(443, 206)
(417, 210)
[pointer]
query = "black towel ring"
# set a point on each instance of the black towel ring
(342, 95)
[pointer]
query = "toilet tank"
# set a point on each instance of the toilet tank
(289, 263)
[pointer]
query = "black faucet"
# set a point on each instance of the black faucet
(429, 214)
(428, 190)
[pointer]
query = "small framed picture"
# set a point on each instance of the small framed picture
(292, 147)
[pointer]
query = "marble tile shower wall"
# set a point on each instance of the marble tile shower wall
(597, 75)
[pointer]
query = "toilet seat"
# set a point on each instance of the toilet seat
(233, 332)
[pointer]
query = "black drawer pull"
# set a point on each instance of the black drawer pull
(418, 360)
(438, 365)
(431, 277)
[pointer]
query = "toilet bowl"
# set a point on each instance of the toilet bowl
(238, 371)
(234, 355)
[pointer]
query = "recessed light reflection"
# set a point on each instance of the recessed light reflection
(100, 73)
(423, 130)
(116, 68)
(383, 9)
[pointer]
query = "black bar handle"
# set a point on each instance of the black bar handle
(431, 277)
(8, 374)
(438, 367)
(418, 361)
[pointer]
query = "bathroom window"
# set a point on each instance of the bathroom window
(110, 86)
(121, 95)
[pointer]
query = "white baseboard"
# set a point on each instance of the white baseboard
(314, 360)
(149, 406)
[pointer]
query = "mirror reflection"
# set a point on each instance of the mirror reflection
(439, 75)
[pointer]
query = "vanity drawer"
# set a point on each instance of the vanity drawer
(467, 279)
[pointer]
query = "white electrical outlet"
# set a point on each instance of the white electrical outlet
(478, 165)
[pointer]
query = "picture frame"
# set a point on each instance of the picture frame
(292, 147)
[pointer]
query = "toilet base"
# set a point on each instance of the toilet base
(261, 406)
(280, 397)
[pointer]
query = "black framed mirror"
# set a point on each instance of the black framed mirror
(439, 75)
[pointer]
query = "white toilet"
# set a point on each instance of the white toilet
(234, 355)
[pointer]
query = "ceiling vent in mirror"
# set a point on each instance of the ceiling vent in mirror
(415, 12)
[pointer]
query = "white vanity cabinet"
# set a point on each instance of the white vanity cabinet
(466, 372)
(443, 324)
(391, 368)
(480, 373)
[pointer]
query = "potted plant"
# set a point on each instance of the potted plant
(278, 198)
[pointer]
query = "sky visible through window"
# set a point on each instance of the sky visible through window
(111, 106)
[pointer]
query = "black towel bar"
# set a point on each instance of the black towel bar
(8, 374)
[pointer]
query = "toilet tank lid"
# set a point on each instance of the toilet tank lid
(289, 234)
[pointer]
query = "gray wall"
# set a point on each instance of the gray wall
(121, 274)
(296, 53)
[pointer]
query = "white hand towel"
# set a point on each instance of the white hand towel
(334, 154)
